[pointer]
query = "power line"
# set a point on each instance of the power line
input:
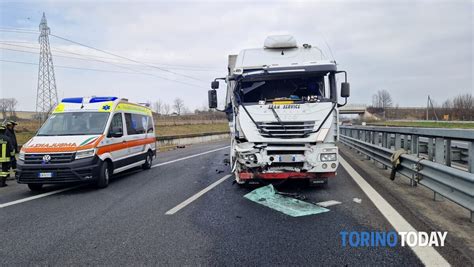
(132, 60)
(134, 71)
(16, 31)
(69, 67)
(170, 66)
(19, 29)
(82, 58)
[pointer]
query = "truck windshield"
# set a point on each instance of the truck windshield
(305, 88)
(74, 123)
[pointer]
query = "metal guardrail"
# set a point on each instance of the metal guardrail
(433, 171)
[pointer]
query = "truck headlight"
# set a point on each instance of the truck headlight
(328, 157)
(21, 156)
(250, 157)
(85, 153)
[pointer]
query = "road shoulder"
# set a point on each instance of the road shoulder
(416, 204)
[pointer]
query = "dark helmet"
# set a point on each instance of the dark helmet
(11, 122)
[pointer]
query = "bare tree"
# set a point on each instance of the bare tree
(158, 106)
(8, 107)
(463, 106)
(166, 109)
(4, 107)
(382, 99)
(12, 107)
(178, 105)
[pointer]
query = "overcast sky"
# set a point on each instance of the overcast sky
(411, 48)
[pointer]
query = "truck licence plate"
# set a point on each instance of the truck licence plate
(45, 175)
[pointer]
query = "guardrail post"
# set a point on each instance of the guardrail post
(405, 142)
(439, 150)
(437, 197)
(470, 156)
(376, 138)
(384, 139)
(447, 154)
(414, 145)
(430, 148)
(398, 141)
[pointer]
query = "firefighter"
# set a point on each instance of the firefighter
(7, 151)
(11, 134)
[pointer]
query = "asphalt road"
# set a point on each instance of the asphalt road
(126, 224)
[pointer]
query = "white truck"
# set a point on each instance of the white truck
(282, 107)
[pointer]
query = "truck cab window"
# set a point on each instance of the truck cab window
(288, 88)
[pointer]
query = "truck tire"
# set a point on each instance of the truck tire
(148, 161)
(104, 175)
(35, 187)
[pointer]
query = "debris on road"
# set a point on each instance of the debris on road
(328, 203)
(273, 199)
(357, 200)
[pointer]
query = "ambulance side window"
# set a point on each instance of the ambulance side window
(116, 126)
(150, 125)
(136, 124)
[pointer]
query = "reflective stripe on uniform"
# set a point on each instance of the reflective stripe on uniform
(3, 155)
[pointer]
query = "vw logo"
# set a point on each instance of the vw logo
(46, 158)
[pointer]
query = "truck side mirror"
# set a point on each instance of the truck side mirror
(215, 85)
(345, 89)
(212, 95)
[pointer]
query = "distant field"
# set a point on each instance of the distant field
(425, 124)
(26, 130)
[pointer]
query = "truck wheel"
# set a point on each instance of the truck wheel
(35, 187)
(148, 161)
(104, 175)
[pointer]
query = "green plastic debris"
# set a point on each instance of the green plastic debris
(269, 197)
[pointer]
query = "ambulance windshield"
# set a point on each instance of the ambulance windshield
(75, 123)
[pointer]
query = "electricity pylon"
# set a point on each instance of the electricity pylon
(46, 95)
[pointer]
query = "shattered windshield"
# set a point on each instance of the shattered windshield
(305, 88)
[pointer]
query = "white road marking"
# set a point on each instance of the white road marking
(328, 203)
(36, 197)
(188, 157)
(428, 255)
(196, 196)
(74, 187)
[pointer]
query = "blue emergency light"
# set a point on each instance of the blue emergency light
(102, 99)
(78, 100)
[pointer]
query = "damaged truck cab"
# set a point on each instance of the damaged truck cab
(282, 107)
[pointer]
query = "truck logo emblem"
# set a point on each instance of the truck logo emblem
(46, 158)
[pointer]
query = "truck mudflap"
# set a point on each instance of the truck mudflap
(285, 175)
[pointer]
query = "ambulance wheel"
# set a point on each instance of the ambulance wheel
(35, 187)
(148, 161)
(104, 175)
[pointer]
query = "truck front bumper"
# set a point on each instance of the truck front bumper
(283, 162)
(286, 175)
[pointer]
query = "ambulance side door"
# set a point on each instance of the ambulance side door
(136, 129)
(117, 139)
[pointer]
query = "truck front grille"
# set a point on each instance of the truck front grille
(293, 129)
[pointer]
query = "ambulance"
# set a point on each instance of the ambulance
(88, 140)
